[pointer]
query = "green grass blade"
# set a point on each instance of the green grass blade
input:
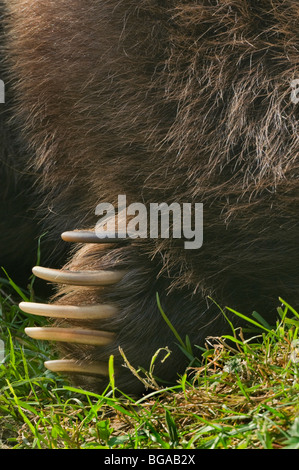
(169, 323)
(172, 429)
(15, 287)
(250, 320)
(289, 307)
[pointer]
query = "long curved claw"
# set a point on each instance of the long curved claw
(71, 366)
(79, 278)
(85, 236)
(71, 335)
(86, 312)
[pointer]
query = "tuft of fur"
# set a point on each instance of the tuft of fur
(185, 101)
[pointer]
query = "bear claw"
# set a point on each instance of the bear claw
(71, 366)
(86, 236)
(71, 335)
(79, 278)
(84, 312)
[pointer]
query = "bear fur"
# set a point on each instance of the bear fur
(185, 101)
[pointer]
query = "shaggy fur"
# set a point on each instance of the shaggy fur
(185, 101)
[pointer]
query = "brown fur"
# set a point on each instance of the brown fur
(185, 101)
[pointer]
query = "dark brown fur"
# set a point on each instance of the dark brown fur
(185, 101)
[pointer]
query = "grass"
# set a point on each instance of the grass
(243, 394)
